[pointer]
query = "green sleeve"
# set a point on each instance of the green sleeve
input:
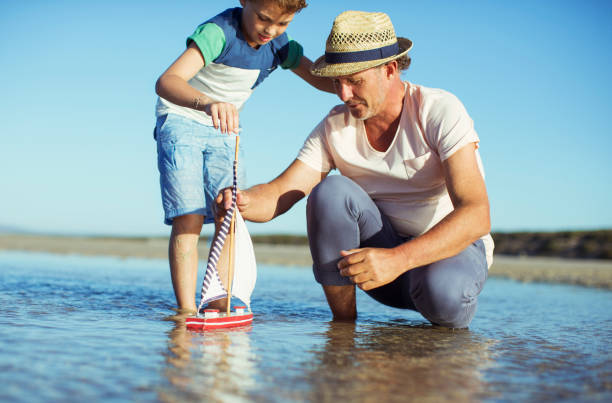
(210, 39)
(294, 56)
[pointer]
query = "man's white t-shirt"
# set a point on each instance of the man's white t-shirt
(407, 180)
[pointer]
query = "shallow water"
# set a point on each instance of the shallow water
(77, 329)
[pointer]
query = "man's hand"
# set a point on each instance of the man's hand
(224, 201)
(263, 202)
(224, 116)
(370, 268)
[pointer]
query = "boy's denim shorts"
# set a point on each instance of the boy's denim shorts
(195, 162)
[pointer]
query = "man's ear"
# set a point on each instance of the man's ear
(391, 68)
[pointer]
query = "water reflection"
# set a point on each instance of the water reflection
(552, 342)
(212, 365)
(367, 361)
(396, 362)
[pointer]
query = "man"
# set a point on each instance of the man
(407, 221)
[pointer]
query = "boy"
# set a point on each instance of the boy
(200, 96)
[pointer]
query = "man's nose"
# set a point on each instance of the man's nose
(344, 92)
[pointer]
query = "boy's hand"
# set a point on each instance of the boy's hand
(224, 116)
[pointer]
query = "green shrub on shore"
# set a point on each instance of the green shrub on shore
(281, 239)
(567, 244)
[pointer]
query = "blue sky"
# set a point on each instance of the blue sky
(78, 100)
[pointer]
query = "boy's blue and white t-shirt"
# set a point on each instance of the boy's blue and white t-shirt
(233, 68)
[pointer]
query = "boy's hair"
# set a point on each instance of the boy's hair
(291, 6)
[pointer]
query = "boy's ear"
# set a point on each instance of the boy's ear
(242, 2)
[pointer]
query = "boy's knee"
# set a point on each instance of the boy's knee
(187, 224)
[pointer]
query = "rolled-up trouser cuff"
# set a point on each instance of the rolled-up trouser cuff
(329, 277)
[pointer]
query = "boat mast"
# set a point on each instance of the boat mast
(230, 271)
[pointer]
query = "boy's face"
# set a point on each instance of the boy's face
(263, 20)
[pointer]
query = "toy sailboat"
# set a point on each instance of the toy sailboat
(242, 272)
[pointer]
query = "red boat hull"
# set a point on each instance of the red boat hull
(234, 320)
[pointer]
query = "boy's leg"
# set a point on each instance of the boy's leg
(183, 258)
(179, 160)
(342, 216)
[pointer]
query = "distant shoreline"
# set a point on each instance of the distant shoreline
(585, 272)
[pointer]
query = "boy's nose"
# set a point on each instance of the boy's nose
(269, 30)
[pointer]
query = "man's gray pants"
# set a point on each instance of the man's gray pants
(341, 216)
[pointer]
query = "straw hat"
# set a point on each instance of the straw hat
(358, 41)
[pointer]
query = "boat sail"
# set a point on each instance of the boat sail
(242, 272)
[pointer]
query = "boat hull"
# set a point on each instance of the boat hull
(221, 322)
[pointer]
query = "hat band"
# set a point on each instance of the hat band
(362, 55)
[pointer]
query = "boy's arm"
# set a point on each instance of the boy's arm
(321, 83)
(173, 86)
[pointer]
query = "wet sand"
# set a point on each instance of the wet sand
(590, 273)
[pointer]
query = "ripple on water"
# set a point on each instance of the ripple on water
(99, 328)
